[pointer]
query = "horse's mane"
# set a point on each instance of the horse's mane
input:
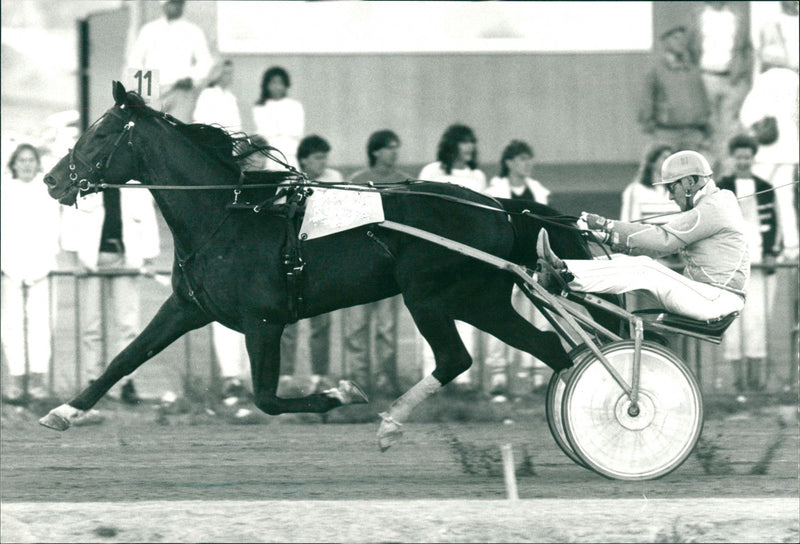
(227, 148)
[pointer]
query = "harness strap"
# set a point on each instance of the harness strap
(256, 208)
(293, 263)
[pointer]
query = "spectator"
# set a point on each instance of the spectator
(719, 43)
(456, 162)
(179, 51)
(312, 154)
(775, 94)
(217, 104)
(745, 342)
(112, 230)
(279, 118)
(30, 229)
(778, 40)
(645, 198)
(358, 321)
(675, 108)
(504, 362)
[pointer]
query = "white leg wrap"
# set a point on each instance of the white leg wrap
(61, 418)
(402, 407)
(67, 412)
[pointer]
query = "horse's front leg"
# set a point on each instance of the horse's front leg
(175, 318)
(263, 341)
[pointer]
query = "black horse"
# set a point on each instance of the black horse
(229, 264)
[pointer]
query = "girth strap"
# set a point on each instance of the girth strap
(293, 263)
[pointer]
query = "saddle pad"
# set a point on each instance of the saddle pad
(329, 211)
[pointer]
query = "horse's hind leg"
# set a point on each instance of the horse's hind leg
(498, 317)
(452, 358)
(173, 320)
(263, 341)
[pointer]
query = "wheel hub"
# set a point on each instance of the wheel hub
(636, 417)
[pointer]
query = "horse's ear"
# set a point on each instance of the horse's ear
(120, 95)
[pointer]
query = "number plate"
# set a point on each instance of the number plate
(146, 82)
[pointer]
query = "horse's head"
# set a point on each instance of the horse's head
(102, 154)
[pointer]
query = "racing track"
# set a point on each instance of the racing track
(197, 479)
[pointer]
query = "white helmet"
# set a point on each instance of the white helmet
(682, 164)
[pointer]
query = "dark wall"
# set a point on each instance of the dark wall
(571, 108)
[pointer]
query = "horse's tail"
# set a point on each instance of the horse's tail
(528, 218)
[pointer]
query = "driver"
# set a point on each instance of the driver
(709, 233)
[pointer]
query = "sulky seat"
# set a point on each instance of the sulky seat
(710, 330)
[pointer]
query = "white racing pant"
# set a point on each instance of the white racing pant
(677, 293)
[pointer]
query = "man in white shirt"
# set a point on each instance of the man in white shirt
(719, 42)
(217, 105)
(779, 40)
(179, 51)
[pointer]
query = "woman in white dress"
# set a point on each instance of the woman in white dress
(644, 199)
(456, 160)
(506, 365)
(279, 118)
(30, 241)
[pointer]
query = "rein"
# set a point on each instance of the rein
(372, 188)
(770, 190)
(84, 184)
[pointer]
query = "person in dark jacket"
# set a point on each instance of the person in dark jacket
(675, 109)
(745, 344)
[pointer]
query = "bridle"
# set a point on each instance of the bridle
(94, 173)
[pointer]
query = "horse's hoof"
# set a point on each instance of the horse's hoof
(353, 393)
(389, 432)
(54, 421)
(348, 393)
(60, 418)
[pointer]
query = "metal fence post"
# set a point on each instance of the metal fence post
(104, 288)
(51, 367)
(213, 371)
(77, 330)
(187, 353)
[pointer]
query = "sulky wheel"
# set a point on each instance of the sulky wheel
(618, 442)
(552, 407)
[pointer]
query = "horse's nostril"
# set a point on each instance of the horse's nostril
(50, 181)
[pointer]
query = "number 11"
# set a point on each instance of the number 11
(148, 75)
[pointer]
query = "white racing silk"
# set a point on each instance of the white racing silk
(710, 237)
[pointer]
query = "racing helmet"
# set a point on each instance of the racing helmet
(682, 164)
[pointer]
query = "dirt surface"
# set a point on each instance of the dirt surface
(533, 520)
(137, 457)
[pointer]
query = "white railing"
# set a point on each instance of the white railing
(192, 358)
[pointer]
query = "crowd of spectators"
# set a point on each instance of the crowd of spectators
(707, 88)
